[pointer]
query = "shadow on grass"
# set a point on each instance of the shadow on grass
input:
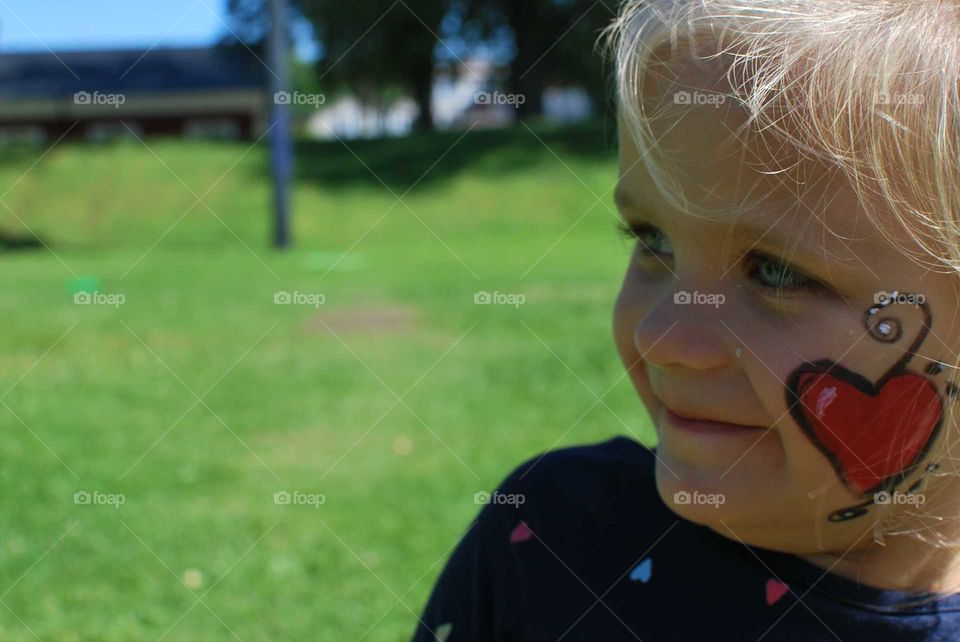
(426, 160)
(22, 154)
(401, 162)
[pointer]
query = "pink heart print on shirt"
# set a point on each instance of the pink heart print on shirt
(775, 590)
(874, 433)
(520, 533)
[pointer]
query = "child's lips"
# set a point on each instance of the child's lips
(695, 424)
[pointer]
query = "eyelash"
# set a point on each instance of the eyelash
(755, 260)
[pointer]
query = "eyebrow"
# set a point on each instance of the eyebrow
(623, 200)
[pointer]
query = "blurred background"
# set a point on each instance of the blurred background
(285, 286)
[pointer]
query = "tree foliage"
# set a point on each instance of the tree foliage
(373, 48)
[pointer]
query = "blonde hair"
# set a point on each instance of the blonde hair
(870, 88)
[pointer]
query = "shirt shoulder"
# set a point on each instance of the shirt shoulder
(584, 474)
(551, 498)
(619, 450)
(584, 502)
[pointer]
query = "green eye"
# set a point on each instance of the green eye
(650, 240)
(776, 275)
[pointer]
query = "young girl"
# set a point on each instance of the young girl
(791, 174)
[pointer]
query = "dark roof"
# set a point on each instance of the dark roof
(45, 74)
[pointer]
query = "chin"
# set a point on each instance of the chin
(737, 513)
(691, 497)
(703, 498)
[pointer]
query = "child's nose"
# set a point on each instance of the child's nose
(685, 328)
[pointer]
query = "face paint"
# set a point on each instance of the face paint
(874, 434)
(952, 390)
(933, 368)
(915, 485)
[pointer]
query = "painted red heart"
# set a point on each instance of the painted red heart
(873, 436)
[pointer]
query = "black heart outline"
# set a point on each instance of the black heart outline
(861, 383)
(867, 387)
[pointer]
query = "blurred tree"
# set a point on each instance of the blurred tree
(378, 50)
(369, 47)
(372, 47)
(249, 21)
(553, 41)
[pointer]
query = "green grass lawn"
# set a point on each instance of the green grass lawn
(198, 398)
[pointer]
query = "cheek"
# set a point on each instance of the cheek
(808, 466)
(627, 314)
(628, 311)
(771, 349)
(874, 433)
(874, 420)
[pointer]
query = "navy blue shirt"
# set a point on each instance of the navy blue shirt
(592, 553)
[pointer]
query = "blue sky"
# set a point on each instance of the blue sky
(35, 25)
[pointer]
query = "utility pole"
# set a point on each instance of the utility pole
(281, 142)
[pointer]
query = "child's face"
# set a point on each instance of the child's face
(835, 402)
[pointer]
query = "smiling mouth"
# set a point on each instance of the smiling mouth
(693, 424)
